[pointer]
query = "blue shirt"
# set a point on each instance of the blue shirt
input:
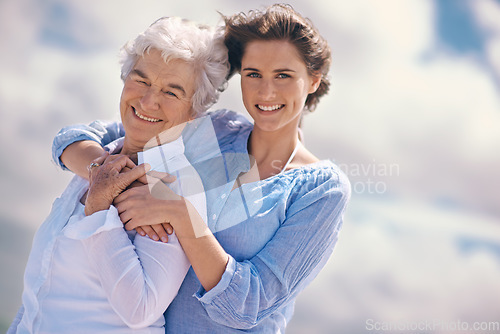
(279, 232)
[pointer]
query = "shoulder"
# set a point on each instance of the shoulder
(230, 127)
(228, 119)
(320, 179)
(318, 189)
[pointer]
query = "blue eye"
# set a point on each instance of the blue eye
(283, 76)
(253, 75)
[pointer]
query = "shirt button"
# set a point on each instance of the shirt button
(223, 196)
(214, 216)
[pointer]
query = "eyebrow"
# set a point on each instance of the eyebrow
(171, 85)
(139, 73)
(276, 70)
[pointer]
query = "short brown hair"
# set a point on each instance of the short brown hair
(280, 22)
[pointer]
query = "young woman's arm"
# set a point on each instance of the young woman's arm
(78, 156)
(76, 146)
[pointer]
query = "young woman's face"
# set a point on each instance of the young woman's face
(275, 84)
(156, 96)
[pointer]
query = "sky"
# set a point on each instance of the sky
(413, 118)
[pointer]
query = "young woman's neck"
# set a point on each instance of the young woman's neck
(272, 150)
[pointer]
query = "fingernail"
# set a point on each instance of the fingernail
(142, 233)
(155, 237)
(164, 239)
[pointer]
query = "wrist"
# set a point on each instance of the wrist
(90, 210)
(92, 206)
(194, 226)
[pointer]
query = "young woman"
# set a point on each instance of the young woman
(263, 249)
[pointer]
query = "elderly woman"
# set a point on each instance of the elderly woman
(76, 281)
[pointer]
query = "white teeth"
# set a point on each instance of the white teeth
(153, 120)
(270, 108)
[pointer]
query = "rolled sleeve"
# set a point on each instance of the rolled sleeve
(98, 131)
(207, 297)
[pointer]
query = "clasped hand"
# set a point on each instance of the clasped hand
(143, 207)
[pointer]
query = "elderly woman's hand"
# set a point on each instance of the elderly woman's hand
(110, 179)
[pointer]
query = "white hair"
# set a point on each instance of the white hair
(200, 45)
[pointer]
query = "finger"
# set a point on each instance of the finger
(122, 197)
(150, 232)
(129, 226)
(165, 177)
(135, 173)
(130, 223)
(162, 191)
(126, 169)
(160, 232)
(126, 218)
(97, 162)
(100, 160)
(136, 183)
(168, 228)
(130, 163)
(140, 231)
(119, 162)
(143, 179)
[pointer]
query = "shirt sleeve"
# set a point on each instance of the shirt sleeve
(140, 277)
(98, 131)
(251, 290)
(15, 323)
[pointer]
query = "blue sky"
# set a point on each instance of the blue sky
(456, 27)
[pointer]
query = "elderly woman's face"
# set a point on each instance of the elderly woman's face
(156, 96)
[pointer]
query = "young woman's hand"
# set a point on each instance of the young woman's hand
(151, 223)
(156, 209)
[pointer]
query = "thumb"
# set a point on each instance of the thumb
(164, 177)
(135, 173)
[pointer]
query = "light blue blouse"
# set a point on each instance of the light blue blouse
(279, 232)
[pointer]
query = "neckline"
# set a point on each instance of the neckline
(301, 169)
(291, 156)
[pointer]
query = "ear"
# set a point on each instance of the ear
(315, 82)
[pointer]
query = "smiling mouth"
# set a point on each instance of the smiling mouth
(145, 118)
(270, 108)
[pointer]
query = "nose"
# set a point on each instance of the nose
(266, 90)
(150, 100)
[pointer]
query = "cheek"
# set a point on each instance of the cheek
(246, 90)
(302, 91)
(127, 94)
(179, 112)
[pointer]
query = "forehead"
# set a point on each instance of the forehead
(279, 54)
(174, 72)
